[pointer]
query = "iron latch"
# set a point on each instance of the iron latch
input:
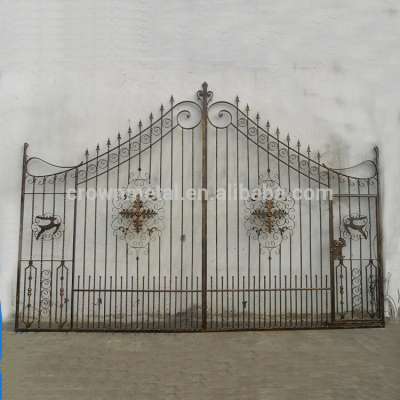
(337, 248)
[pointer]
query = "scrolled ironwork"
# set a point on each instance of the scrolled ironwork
(138, 213)
(270, 215)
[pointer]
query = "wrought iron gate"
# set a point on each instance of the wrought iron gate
(204, 219)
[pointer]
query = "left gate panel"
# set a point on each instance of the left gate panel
(46, 252)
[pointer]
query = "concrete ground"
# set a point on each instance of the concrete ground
(335, 364)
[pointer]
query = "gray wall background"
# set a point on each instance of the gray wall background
(72, 73)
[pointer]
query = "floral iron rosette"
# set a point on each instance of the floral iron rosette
(270, 214)
(138, 213)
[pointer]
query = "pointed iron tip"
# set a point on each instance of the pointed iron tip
(108, 142)
(97, 147)
(247, 108)
(151, 116)
(162, 108)
(171, 100)
(298, 143)
(277, 132)
(237, 99)
(87, 152)
(258, 116)
(288, 138)
(140, 124)
(268, 124)
(119, 136)
(308, 149)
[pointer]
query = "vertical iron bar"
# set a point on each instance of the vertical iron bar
(216, 230)
(116, 238)
(351, 259)
(237, 211)
(84, 238)
(159, 237)
(248, 239)
(21, 230)
(360, 250)
(290, 237)
(378, 216)
(181, 255)
(259, 245)
(310, 238)
(41, 258)
(170, 213)
(301, 235)
(74, 248)
(106, 234)
(204, 123)
(226, 225)
(95, 232)
(192, 238)
(280, 244)
(332, 264)
(320, 227)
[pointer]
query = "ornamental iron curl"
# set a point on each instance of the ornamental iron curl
(138, 213)
(270, 214)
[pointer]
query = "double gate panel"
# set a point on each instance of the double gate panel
(202, 218)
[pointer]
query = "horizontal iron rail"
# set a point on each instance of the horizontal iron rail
(324, 326)
(347, 195)
(245, 290)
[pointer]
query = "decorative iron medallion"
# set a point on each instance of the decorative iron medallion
(47, 227)
(138, 213)
(355, 226)
(270, 214)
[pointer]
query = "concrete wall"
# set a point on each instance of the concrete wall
(72, 73)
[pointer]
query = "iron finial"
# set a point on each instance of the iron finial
(162, 109)
(171, 100)
(308, 150)
(119, 136)
(258, 117)
(277, 133)
(268, 125)
(288, 138)
(98, 148)
(87, 153)
(318, 156)
(237, 100)
(129, 126)
(151, 117)
(108, 142)
(140, 124)
(247, 108)
(298, 144)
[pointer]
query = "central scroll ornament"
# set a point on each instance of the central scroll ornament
(270, 214)
(138, 213)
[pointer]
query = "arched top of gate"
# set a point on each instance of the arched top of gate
(224, 114)
(188, 115)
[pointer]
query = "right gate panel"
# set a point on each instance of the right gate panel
(268, 258)
(357, 272)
